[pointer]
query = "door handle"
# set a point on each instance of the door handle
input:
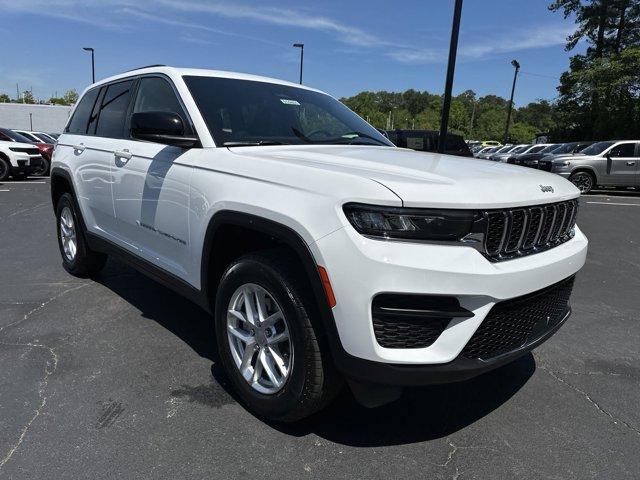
(631, 164)
(78, 148)
(125, 154)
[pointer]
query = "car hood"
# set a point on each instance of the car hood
(424, 179)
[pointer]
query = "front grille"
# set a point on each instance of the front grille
(412, 321)
(517, 232)
(514, 323)
(546, 165)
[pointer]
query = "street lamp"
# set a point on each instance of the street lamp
(516, 65)
(453, 50)
(93, 64)
(301, 47)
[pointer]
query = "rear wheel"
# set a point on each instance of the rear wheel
(583, 180)
(77, 258)
(268, 346)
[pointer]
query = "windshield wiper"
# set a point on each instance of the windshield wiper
(252, 144)
(361, 135)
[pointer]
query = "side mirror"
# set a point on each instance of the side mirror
(161, 127)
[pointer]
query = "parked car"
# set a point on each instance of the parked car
(54, 135)
(502, 156)
(323, 251)
(480, 150)
(533, 160)
(16, 159)
(38, 163)
(613, 163)
(428, 141)
(41, 165)
(491, 143)
(537, 148)
(486, 152)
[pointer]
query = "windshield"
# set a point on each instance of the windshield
(597, 148)
(14, 136)
(246, 112)
(42, 137)
(537, 149)
(550, 148)
(520, 149)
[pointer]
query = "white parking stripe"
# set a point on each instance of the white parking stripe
(5, 190)
(614, 203)
(22, 183)
(612, 196)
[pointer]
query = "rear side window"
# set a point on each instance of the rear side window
(78, 123)
(155, 94)
(113, 110)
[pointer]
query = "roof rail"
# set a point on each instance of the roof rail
(145, 66)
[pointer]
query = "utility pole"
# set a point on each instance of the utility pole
(30, 121)
(17, 93)
(453, 49)
(516, 65)
(301, 47)
(473, 117)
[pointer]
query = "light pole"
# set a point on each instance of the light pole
(301, 47)
(516, 65)
(31, 122)
(93, 63)
(453, 49)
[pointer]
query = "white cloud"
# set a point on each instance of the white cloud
(124, 14)
(533, 37)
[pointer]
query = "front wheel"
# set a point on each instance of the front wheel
(43, 169)
(583, 180)
(267, 343)
(5, 169)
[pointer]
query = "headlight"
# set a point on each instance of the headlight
(410, 223)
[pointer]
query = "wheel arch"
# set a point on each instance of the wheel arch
(280, 234)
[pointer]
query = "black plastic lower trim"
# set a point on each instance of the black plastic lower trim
(161, 276)
(415, 375)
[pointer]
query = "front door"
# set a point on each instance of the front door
(151, 186)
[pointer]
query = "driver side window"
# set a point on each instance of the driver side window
(623, 150)
(155, 94)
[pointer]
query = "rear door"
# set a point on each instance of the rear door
(92, 178)
(622, 163)
(151, 185)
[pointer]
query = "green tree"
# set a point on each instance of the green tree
(4, 98)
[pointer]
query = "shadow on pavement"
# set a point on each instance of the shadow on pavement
(421, 413)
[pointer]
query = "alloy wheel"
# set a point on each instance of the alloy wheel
(259, 338)
(583, 181)
(68, 234)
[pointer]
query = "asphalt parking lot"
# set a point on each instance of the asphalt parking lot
(117, 378)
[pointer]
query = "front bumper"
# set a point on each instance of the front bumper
(361, 268)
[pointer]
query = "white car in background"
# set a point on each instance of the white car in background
(17, 159)
(39, 137)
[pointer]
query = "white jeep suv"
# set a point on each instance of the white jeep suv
(323, 252)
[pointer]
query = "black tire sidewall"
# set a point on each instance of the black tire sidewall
(7, 169)
(66, 200)
(575, 175)
(251, 270)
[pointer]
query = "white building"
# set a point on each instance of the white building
(40, 118)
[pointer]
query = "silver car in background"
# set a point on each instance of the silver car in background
(611, 163)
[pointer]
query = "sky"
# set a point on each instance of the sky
(350, 45)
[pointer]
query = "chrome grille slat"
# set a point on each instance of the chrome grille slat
(516, 232)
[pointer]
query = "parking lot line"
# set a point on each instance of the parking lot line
(604, 195)
(617, 203)
(23, 183)
(5, 190)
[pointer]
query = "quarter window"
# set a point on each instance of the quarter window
(113, 110)
(78, 123)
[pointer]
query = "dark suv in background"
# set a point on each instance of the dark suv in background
(428, 141)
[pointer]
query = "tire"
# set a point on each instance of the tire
(585, 181)
(43, 171)
(5, 168)
(312, 381)
(79, 260)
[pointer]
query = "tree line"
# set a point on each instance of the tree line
(69, 98)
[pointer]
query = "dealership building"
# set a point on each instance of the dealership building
(40, 118)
